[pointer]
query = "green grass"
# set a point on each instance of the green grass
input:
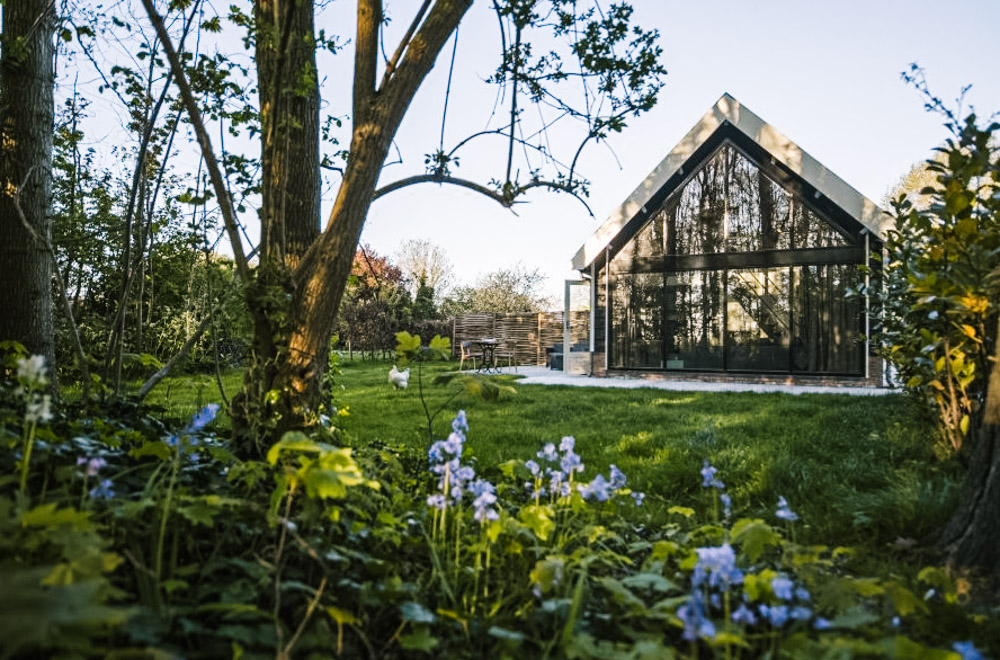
(858, 470)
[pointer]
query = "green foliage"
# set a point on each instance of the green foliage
(941, 324)
(182, 556)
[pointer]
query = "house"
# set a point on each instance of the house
(738, 254)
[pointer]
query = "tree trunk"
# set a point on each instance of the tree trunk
(283, 386)
(972, 536)
(290, 200)
(26, 129)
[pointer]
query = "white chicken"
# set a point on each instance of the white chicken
(399, 379)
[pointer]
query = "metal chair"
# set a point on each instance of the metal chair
(466, 354)
(508, 353)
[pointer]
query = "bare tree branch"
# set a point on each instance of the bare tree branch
(164, 371)
(506, 201)
(438, 178)
(81, 357)
(204, 141)
(390, 66)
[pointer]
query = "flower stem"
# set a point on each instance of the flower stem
(29, 441)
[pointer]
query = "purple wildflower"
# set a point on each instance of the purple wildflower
(708, 479)
(102, 490)
(784, 512)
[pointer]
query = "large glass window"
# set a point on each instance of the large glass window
(735, 272)
(757, 319)
(693, 303)
(637, 321)
(827, 323)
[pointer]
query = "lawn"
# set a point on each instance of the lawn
(859, 470)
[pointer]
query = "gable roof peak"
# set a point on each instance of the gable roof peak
(728, 110)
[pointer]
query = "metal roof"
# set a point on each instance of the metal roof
(730, 111)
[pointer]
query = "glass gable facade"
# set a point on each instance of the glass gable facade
(734, 272)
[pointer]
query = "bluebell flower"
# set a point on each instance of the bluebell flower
(708, 479)
(102, 489)
(93, 464)
(548, 453)
(777, 615)
(821, 624)
(638, 497)
(481, 487)
(453, 445)
(618, 479)
(202, 418)
(435, 453)
(571, 463)
(727, 504)
(483, 506)
(968, 651)
(695, 623)
(802, 593)
(784, 512)
(460, 424)
(782, 587)
(567, 443)
(800, 613)
(464, 473)
(895, 621)
(744, 615)
(718, 566)
(598, 488)
(437, 501)
(533, 467)
(534, 490)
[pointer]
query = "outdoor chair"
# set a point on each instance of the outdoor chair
(466, 354)
(508, 353)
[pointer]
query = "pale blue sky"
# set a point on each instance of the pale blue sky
(824, 73)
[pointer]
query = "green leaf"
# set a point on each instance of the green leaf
(46, 515)
(623, 596)
(419, 640)
(538, 518)
(407, 347)
(905, 601)
(853, 618)
(199, 513)
(547, 573)
(170, 586)
(653, 581)
(754, 536)
(414, 612)
(687, 512)
(342, 617)
(294, 441)
(506, 635)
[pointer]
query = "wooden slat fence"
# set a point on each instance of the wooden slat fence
(527, 334)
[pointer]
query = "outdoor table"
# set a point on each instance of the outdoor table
(488, 345)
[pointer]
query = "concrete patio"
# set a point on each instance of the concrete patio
(532, 375)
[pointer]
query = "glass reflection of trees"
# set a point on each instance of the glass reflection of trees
(723, 311)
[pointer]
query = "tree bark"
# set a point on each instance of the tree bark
(285, 391)
(26, 128)
(289, 104)
(972, 537)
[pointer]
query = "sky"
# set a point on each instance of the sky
(826, 74)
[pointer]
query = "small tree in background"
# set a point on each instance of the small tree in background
(503, 291)
(425, 265)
